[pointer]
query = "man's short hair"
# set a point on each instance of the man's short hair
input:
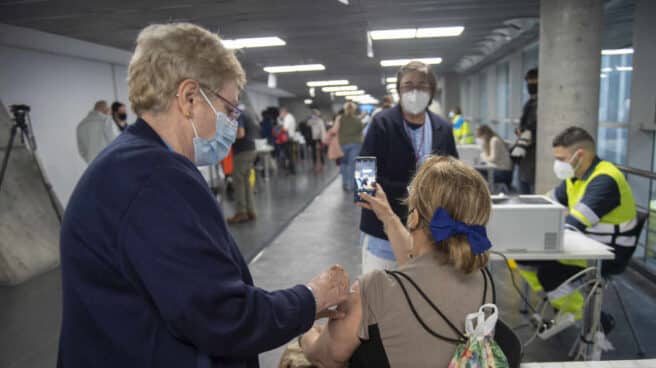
(115, 106)
(531, 74)
(574, 137)
(417, 66)
(100, 105)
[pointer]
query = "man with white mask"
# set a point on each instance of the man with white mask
(601, 205)
(401, 138)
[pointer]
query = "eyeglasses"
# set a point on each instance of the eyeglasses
(422, 86)
(234, 112)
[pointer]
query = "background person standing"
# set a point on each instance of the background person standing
(288, 123)
(349, 131)
(401, 138)
(244, 160)
(524, 149)
(94, 132)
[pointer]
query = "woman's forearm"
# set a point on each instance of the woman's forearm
(399, 238)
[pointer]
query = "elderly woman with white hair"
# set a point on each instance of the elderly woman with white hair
(151, 275)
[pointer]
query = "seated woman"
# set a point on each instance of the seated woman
(443, 250)
(495, 154)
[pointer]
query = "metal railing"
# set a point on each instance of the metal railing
(645, 264)
(638, 172)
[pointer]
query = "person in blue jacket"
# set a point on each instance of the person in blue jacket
(151, 275)
(401, 138)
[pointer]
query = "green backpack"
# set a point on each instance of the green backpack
(475, 348)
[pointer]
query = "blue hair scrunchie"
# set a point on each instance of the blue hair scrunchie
(442, 227)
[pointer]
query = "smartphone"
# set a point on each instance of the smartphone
(365, 176)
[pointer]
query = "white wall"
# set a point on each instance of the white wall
(60, 78)
(260, 101)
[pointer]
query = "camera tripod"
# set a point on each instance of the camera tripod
(23, 125)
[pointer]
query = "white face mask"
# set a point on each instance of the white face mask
(451, 114)
(480, 141)
(564, 170)
(415, 101)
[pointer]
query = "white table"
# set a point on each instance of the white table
(264, 152)
(640, 363)
(577, 246)
(490, 173)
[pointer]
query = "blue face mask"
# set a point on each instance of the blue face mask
(211, 151)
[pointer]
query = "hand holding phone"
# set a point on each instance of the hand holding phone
(365, 176)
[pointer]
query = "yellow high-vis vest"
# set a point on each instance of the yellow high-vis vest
(610, 229)
(462, 131)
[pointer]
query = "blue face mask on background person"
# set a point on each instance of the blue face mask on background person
(211, 151)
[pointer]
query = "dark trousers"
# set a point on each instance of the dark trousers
(500, 176)
(317, 151)
(526, 187)
(288, 148)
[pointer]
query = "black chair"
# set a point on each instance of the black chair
(509, 343)
(611, 269)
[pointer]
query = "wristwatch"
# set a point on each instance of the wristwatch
(316, 301)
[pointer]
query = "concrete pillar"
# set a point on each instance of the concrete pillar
(643, 98)
(451, 91)
(570, 60)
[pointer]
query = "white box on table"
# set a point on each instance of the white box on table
(526, 223)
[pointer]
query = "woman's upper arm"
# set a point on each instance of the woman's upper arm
(339, 338)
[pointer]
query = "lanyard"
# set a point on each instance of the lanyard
(420, 147)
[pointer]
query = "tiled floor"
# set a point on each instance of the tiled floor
(326, 232)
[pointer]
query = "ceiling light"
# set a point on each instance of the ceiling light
(307, 101)
(606, 70)
(602, 75)
(393, 34)
(294, 68)
(341, 82)
(624, 68)
(616, 51)
(241, 43)
(406, 33)
(366, 99)
(390, 80)
(401, 62)
(391, 86)
(339, 88)
(350, 93)
(439, 32)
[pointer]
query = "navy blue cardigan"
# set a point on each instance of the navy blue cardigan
(151, 275)
(396, 162)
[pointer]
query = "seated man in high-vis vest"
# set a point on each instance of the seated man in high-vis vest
(462, 132)
(600, 204)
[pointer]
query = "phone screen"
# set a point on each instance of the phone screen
(365, 176)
